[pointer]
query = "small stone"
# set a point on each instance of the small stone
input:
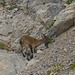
(39, 51)
(66, 66)
(15, 10)
(65, 50)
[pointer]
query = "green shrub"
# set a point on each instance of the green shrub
(72, 66)
(2, 46)
(49, 41)
(49, 65)
(48, 73)
(4, 3)
(7, 49)
(69, 1)
(44, 3)
(62, 65)
(52, 23)
(11, 8)
(56, 70)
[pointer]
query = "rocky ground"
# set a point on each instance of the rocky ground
(19, 17)
(33, 17)
(57, 59)
(11, 63)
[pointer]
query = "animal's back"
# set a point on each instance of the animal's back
(28, 39)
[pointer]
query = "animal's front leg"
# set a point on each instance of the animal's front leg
(21, 50)
(34, 52)
(23, 54)
(26, 49)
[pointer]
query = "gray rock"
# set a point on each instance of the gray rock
(40, 11)
(65, 19)
(15, 10)
(1, 1)
(11, 64)
(65, 73)
(6, 29)
(42, 2)
(13, 26)
(11, 1)
(45, 13)
(14, 23)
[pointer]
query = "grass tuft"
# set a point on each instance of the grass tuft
(44, 3)
(69, 1)
(48, 73)
(56, 70)
(52, 23)
(11, 8)
(49, 65)
(2, 46)
(50, 40)
(72, 66)
(4, 3)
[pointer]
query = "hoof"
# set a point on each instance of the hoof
(35, 55)
(28, 59)
(31, 56)
(23, 55)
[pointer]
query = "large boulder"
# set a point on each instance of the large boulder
(11, 64)
(15, 22)
(65, 19)
(10, 1)
(46, 13)
(42, 11)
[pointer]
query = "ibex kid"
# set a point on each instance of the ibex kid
(31, 42)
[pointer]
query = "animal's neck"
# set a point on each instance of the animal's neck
(39, 42)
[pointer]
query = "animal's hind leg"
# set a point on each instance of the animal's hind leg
(34, 52)
(26, 48)
(31, 48)
(30, 53)
(21, 50)
(26, 51)
(23, 54)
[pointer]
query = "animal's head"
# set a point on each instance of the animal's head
(45, 38)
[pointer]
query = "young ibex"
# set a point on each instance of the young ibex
(31, 42)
